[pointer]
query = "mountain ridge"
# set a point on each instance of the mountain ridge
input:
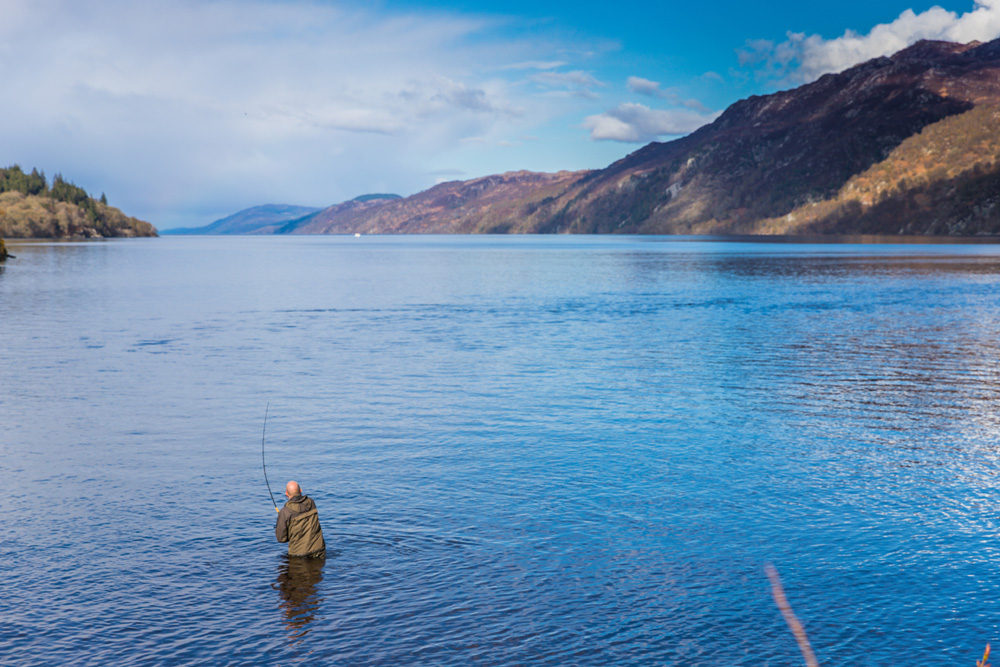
(263, 219)
(271, 218)
(457, 207)
(784, 163)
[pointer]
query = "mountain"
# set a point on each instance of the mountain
(315, 223)
(489, 204)
(792, 162)
(274, 218)
(257, 220)
(901, 144)
(30, 208)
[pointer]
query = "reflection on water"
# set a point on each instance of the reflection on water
(297, 582)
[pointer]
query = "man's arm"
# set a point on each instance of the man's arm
(281, 527)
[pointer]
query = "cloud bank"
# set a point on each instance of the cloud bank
(802, 58)
(188, 110)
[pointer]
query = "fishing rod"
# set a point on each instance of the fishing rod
(262, 462)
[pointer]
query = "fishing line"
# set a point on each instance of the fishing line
(262, 462)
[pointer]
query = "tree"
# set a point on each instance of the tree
(36, 183)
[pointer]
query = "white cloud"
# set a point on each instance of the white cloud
(635, 123)
(576, 83)
(574, 78)
(641, 86)
(188, 108)
(535, 64)
(802, 58)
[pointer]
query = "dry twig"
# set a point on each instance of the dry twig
(793, 622)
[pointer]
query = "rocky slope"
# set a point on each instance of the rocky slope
(901, 144)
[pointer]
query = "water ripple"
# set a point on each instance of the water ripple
(524, 451)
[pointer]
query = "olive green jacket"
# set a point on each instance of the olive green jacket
(298, 524)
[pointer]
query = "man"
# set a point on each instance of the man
(298, 524)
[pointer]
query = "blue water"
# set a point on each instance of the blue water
(525, 451)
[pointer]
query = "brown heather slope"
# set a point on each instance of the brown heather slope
(493, 204)
(901, 144)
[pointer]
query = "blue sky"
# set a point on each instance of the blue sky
(186, 111)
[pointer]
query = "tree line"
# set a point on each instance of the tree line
(14, 179)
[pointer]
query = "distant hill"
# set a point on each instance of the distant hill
(495, 204)
(31, 208)
(271, 218)
(257, 220)
(906, 144)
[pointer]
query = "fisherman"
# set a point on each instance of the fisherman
(298, 524)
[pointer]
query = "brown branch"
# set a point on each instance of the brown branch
(793, 622)
(986, 656)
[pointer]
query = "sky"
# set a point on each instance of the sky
(185, 111)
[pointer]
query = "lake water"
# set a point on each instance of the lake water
(525, 451)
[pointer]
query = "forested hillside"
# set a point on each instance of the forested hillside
(31, 208)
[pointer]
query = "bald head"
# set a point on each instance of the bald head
(292, 489)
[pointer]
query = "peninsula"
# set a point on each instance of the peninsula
(31, 208)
